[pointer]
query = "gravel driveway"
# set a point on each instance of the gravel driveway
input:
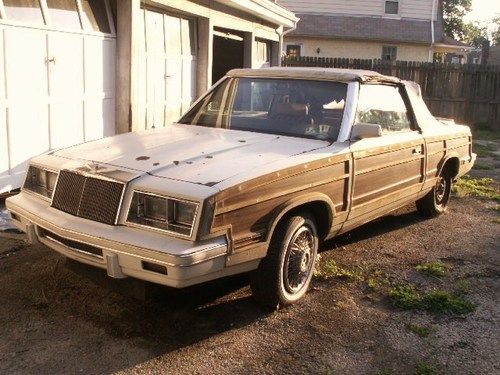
(54, 320)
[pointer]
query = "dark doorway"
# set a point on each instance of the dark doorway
(228, 52)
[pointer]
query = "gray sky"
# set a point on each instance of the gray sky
(483, 11)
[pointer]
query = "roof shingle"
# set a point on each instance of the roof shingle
(366, 28)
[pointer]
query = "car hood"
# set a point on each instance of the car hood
(191, 153)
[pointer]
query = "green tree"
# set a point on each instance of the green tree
(453, 14)
(475, 34)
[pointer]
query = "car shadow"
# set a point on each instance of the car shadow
(137, 321)
(386, 224)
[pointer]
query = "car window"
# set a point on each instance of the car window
(383, 105)
(301, 108)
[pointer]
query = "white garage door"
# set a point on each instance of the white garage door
(168, 68)
(57, 75)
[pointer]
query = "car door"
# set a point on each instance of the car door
(388, 170)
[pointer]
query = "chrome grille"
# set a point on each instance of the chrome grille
(88, 197)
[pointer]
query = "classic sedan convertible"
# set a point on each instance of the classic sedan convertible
(253, 177)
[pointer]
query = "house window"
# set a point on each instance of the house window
(263, 48)
(389, 53)
(392, 7)
(94, 16)
(293, 50)
(28, 11)
(64, 14)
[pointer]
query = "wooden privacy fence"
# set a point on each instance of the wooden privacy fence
(470, 94)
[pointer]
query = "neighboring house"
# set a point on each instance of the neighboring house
(494, 55)
(410, 30)
(77, 70)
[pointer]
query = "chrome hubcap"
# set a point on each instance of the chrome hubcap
(299, 260)
(440, 190)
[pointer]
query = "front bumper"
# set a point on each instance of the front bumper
(123, 251)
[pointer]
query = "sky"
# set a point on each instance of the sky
(483, 11)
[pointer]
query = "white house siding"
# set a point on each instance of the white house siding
(57, 89)
(417, 9)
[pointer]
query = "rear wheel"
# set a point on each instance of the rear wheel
(284, 275)
(436, 201)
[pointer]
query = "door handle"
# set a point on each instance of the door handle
(417, 151)
(51, 60)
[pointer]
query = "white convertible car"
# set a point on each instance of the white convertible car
(261, 169)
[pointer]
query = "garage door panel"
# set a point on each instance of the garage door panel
(155, 35)
(99, 113)
(59, 90)
(173, 39)
(99, 87)
(188, 82)
(142, 91)
(99, 65)
(26, 90)
(155, 91)
(4, 147)
(65, 89)
(168, 70)
(25, 64)
(28, 131)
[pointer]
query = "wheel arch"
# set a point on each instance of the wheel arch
(317, 203)
(452, 163)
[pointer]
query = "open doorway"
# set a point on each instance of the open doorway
(228, 52)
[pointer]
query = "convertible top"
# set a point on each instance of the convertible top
(333, 74)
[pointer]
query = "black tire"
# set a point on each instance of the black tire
(284, 275)
(435, 202)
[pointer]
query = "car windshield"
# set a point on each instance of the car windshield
(298, 108)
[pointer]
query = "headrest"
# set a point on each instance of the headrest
(291, 109)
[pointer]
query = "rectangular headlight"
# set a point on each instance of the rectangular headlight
(40, 181)
(164, 213)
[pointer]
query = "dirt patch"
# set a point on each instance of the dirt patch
(57, 321)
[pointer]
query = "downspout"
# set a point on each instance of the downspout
(282, 35)
(433, 39)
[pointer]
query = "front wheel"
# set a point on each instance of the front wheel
(436, 201)
(284, 275)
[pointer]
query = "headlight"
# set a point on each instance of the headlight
(165, 213)
(40, 181)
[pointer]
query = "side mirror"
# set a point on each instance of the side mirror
(364, 130)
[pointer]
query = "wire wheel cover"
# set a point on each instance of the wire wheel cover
(299, 258)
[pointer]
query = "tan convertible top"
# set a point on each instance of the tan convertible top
(333, 74)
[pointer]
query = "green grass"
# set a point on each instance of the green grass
(425, 368)
(437, 269)
(464, 287)
(445, 302)
(405, 297)
(422, 331)
(483, 151)
(485, 134)
(476, 187)
(331, 270)
(483, 167)
(437, 301)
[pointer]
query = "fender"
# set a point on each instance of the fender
(286, 207)
(446, 158)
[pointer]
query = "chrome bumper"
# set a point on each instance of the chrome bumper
(123, 251)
